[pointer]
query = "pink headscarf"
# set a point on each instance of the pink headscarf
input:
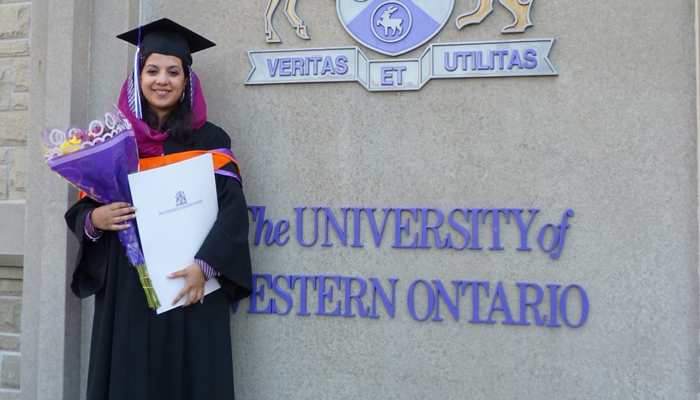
(150, 141)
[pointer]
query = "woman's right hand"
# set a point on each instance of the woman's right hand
(111, 216)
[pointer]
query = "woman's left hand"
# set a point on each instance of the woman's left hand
(194, 284)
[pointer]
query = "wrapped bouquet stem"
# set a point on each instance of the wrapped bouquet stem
(98, 161)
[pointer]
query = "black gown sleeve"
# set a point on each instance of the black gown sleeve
(226, 246)
(91, 261)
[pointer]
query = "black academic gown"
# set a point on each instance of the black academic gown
(185, 353)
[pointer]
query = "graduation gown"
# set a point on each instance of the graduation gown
(185, 353)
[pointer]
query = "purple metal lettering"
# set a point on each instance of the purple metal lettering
(302, 296)
(327, 66)
(500, 295)
(475, 298)
(404, 227)
(341, 65)
(411, 300)
(441, 292)
(377, 288)
(530, 58)
(515, 60)
(523, 228)
(285, 66)
(474, 215)
(387, 76)
(297, 66)
(425, 227)
(323, 295)
(356, 223)
(300, 225)
(449, 67)
(501, 55)
(555, 237)
(259, 293)
(259, 215)
(495, 213)
(553, 306)
(342, 233)
(399, 74)
(272, 66)
(562, 231)
(378, 234)
(281, 228)
(459, 228)
(524, 304)
(584, 305)
(349, 296)
(283, 294)
(479, 62)
(314, 61)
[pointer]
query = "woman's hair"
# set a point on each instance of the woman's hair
(179, 121)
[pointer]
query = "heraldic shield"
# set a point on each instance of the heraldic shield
(394, 27)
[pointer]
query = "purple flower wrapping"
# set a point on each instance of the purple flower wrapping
(102, 172)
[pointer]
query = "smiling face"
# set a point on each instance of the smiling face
(162, 83)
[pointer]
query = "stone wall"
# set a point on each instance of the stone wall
(14, 97)
(14, 106)
(10, 321)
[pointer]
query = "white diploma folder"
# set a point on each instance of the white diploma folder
(176, 207)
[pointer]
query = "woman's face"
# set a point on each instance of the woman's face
(162, 82)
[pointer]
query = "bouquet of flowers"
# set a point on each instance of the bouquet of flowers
(98, 161)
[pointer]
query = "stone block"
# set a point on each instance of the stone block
(4, 153)
(10, 287)
(10, 314)
(9, 395)
(14, 21)
(11, 240)
(14, 48)
(3, 183)
(11, 373)
(20, 74)
(9, 342)
(13, 128)
(5, 83)
(20, 101)
(18, 173)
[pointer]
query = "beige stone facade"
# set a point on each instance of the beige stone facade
(14, 97)
(613, 137)
(14, 108)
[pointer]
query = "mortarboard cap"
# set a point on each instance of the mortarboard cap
(167, 37)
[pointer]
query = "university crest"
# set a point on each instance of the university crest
(394, 27)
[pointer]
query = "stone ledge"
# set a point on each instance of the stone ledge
(12, 260)
(11, 272)
(9, 394)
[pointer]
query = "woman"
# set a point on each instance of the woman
(184, 353)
